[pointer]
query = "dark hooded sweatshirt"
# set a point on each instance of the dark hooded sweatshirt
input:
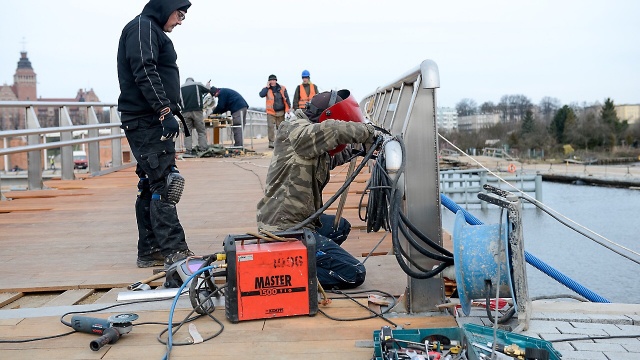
(147, 69)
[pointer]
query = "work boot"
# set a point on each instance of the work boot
(177, 256)
(190, 154)
(151, 260)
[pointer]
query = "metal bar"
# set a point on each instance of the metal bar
(66, 152)
(50, 130)
(116, 144)
(28, 104)
(34, 157)
(416, 87)
(395, 110)
(94, 147)
(53, 145)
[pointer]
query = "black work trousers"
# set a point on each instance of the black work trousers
(335, 267)
(159, 228)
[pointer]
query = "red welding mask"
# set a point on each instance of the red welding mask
(335, 105)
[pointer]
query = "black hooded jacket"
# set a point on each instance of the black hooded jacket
(147, 69)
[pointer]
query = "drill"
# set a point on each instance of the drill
(110, 330)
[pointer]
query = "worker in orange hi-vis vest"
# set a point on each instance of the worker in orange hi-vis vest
(304, 92)
(278, 105)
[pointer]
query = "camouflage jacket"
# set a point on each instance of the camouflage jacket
(299, 168)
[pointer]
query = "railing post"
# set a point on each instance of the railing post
(66, 152)
(34, 158)
(538, 187)
(116, 144)
(94, 147)
(422, 207)
(483, 181)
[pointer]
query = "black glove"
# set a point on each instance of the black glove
(170, 127)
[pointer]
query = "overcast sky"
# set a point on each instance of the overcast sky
(575, 51)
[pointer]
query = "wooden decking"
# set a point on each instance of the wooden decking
(76, 244)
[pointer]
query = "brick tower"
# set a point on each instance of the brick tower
(24, 80)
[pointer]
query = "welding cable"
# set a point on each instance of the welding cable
(373, 313)
(399, 252)
(377, 209)
(488, 288)
(36, 339)
(207, 284)
(368, 156)
(180, 324)
(422, 250)
(424, 237)
(394, 197)
(380, 187)
(173, 308)
(66, 323)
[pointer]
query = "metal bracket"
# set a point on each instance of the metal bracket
(517, 263)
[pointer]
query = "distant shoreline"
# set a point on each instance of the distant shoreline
(619, 175)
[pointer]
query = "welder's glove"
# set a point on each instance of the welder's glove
(373, 138)
(170, 127)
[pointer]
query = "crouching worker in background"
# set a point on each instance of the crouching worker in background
(298, 172)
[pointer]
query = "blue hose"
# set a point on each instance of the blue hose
(534, 261)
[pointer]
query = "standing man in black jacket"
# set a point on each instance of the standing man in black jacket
(231, 101)
(149, 98)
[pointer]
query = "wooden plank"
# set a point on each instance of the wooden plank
(110, 296)
(70, 297)
(7, 298)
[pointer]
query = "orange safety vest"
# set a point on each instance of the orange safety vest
(304, 97)
(271, 100)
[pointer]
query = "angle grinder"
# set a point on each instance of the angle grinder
(110, 330)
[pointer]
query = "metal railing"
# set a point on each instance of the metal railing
(463, 186)
(407, 107)
(255, 127)
(36, 138)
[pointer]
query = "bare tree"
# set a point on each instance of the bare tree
(487, 107)
(466, 107)
(514, 107)
(548, 107)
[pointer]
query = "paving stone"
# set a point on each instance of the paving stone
(568, 329)
(634, 318)
(564, 317)
(626, 330)
(583, 355)
(584, 346)
(620, 356)
(606, 327)
(611, 319)
(622, 341)
(549, 327)
(632, 348)
(563, 346)
(551, 337)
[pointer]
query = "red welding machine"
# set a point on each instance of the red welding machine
(271, 279)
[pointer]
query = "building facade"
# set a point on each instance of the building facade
(24, 88)
(472, 123)
(447, 119)
(631, 113)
